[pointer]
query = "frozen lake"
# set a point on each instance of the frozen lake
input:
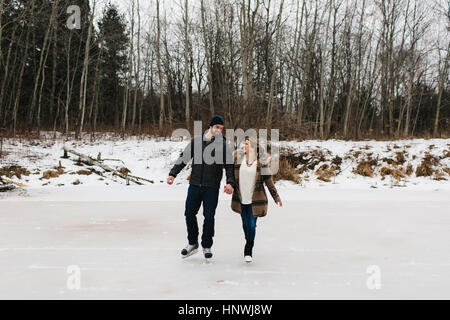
(125, 242)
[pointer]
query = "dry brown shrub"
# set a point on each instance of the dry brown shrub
(385, 171)
(310, 159)
(424, 170)
(388, 160)
(337, 160)
(84, 172)
(325, 172)
(49, 174)
(400, 157)
(447, 170)
(59, 168)
(439, 176)
(14, 170)
(356, 154)
(76, 182)
(397, 174)
(303, 169)
(286, 172)
(433, 160)
(364, 168)
(409, 170)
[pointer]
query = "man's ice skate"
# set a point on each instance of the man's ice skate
(207, 253)
(248, 259)
(189, 250)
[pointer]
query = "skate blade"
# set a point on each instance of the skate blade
(189, 254)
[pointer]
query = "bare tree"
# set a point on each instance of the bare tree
(276, 53)
(158, 58)
(186, 60)
(247, 26)
(207, 56)
(443, 76)
(137, 66)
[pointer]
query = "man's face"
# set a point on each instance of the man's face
(217, 129)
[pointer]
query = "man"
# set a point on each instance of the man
(204, 182)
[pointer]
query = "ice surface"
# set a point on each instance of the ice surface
(126, 240)
(319, 245)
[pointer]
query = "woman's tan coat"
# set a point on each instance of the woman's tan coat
(259, 200)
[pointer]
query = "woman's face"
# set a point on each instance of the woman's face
(248, 148)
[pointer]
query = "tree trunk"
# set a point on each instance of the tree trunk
(208, 61)
(186, 62)
(158, 57)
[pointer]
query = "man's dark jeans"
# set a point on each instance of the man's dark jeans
(195, 196)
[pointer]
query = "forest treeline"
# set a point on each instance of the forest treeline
(322, 69)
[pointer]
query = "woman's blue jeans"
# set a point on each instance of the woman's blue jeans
(248, 221)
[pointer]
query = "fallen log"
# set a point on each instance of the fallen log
(6, 187)
(139, 178)
(93, 162)
(13, 182)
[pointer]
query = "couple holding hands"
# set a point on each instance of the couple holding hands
(245, 179)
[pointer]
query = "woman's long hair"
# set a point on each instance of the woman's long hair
(262, 156)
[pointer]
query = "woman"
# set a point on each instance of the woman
(249, 197)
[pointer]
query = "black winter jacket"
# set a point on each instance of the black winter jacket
(206, 170)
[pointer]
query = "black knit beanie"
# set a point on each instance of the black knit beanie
(216, 119)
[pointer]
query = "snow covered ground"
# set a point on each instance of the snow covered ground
(152, 158)
(329, 240)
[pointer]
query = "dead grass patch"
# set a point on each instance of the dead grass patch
(426, 167)
(365, 168)
(286, 172)
(326, 172)
(433, 160)
(336, 161)
(388, 160)
(400, 157)
(49, 174)
(395, 172)
(409, 170)
(10, 171)
(84, 172)
(439, 176)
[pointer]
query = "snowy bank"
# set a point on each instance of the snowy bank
(152, 158)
